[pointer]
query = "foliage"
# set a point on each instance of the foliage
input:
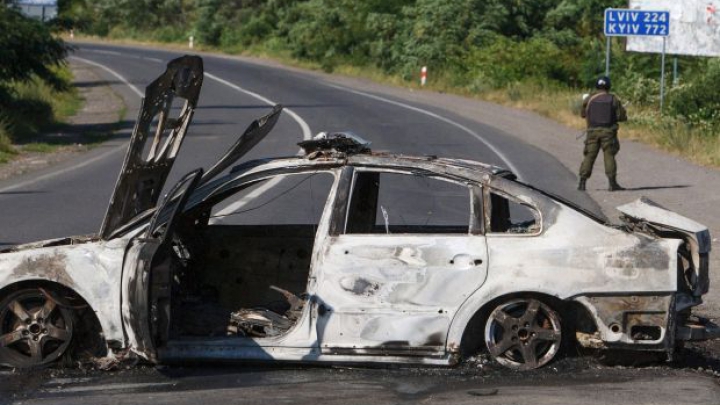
(504, 62)
(31, 107)
(698, 100)
(508, 47)
(34, 81)
(28, 49)
(6, 147)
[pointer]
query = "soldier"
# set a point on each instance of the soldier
(602, 110)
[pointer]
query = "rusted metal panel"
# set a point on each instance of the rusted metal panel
(227, 350)
(631, 319)
(142, 177)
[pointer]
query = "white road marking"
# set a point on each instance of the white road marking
(245, 200)
(307, 134)
(467, 130)
(112, 72)
(105, 52)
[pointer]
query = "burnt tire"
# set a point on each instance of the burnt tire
(523, 333)
(35, 330)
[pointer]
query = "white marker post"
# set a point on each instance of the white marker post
(191, 42)
(423, 75)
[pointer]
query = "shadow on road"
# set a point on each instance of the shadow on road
(22, 193)
(86, 134)
(656, 187)
(649, 188)
(98, 83)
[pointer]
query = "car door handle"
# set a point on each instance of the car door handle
(465, 261)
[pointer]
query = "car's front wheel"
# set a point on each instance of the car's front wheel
(34, 329)
(523, 333)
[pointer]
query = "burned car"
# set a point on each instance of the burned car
(343, 254)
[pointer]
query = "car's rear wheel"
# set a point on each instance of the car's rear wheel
(34, 329)
(523, 333)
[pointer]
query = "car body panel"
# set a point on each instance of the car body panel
(146, 167)
(91, 269)
(697, 235)
(396, 292)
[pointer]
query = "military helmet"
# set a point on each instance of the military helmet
(603, 82)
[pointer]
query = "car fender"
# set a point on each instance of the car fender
(92, 270)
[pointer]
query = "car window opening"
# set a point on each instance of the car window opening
(395, 203)
(508, 216)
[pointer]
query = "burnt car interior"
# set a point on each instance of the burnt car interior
(244, 262)
(509, 216)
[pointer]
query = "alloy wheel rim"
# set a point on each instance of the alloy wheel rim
(523, 334)
(34, 329)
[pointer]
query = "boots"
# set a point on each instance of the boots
(614, 186)
(581, 184)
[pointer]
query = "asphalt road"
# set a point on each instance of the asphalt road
(72, 198)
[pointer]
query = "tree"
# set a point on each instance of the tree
(28, 49)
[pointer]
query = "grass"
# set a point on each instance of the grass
(39, 147)
(35, 108)
(700, 144)
(560, 103)
(7, 151)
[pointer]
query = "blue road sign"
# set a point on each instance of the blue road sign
(624, 22)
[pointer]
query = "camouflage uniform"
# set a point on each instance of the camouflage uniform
(603, 111)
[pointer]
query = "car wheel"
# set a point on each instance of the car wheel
(523, 334)
(34, 329)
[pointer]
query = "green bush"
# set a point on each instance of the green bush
(636, 88)
(698, 99)
(6, 147)
(504, 62)
(170, 33)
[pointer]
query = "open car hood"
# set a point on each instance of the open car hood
(146, 167)
(144, 173)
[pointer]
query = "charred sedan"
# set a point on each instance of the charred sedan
(344, 255)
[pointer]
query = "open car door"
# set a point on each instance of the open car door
(149, 287)
(146, 167)
(255, 132)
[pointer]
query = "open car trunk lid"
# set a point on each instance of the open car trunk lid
(696, 235)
